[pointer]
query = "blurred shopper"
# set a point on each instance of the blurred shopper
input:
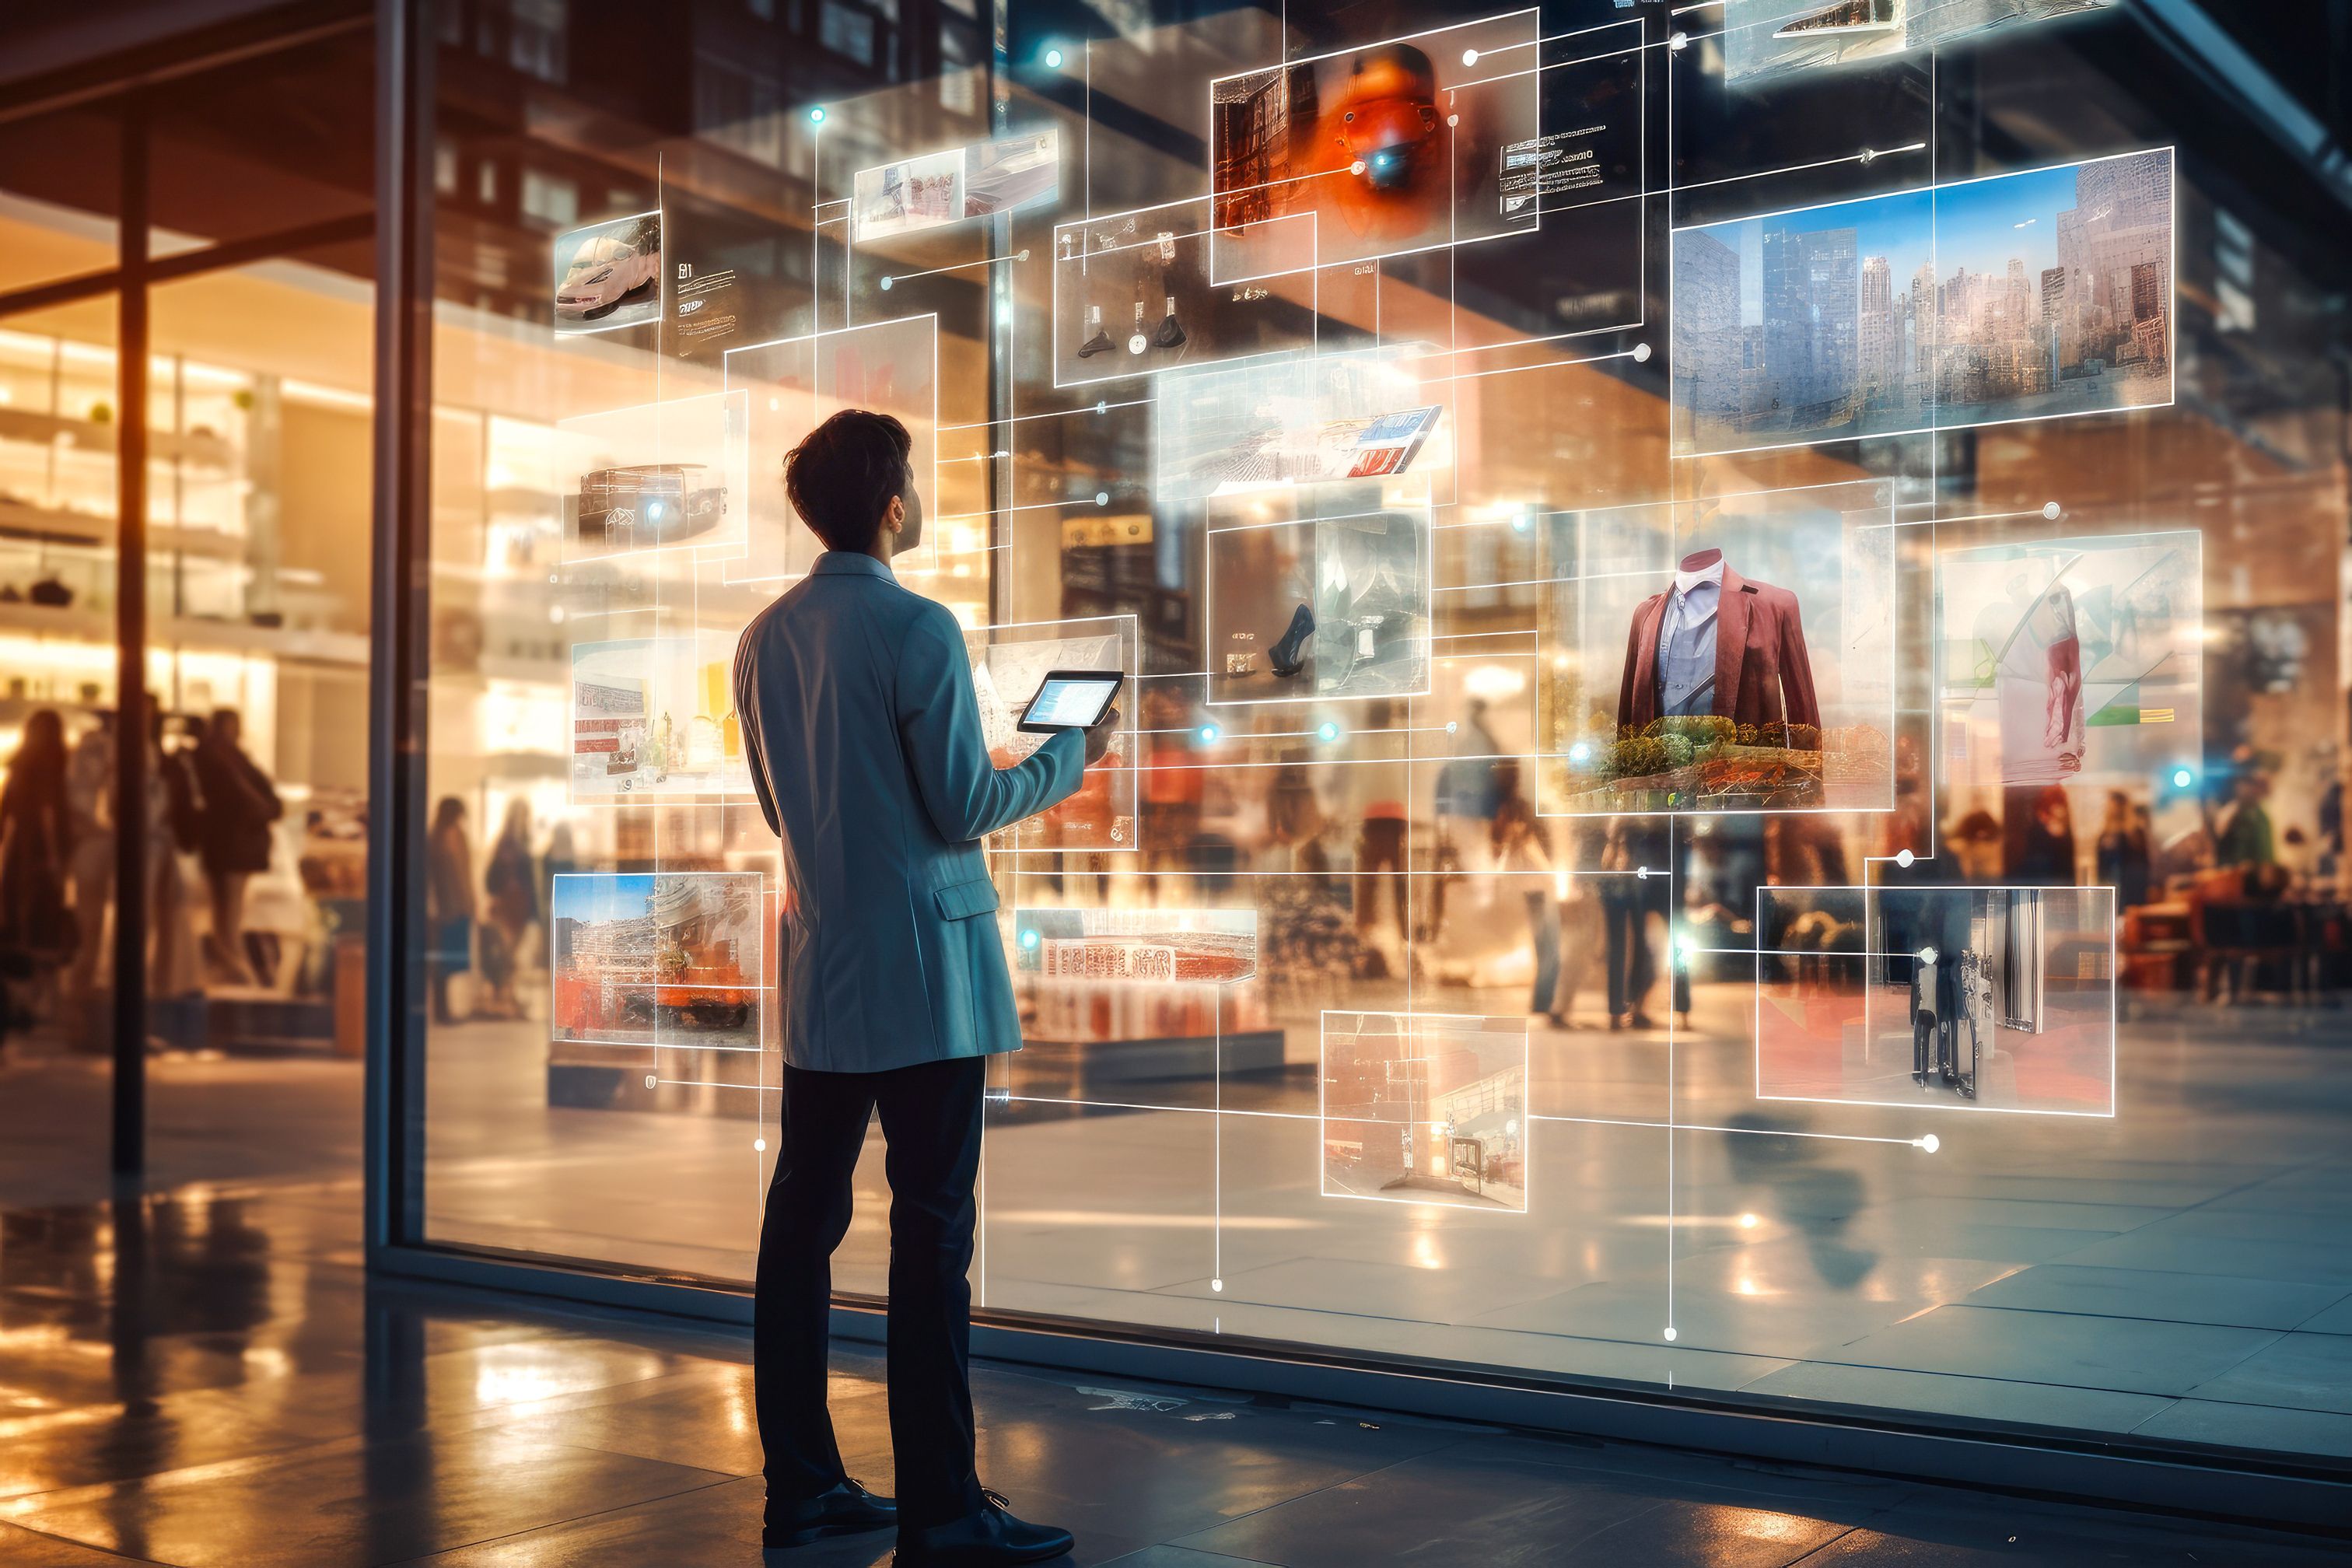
(89, 793)
(2124, 854)
(239, 807)
(174, 828)
(863, 735)
(36, 847)
(1523, 852)
(1633, 847)
(513, 897)
(2045, 848)
(448, 903)
(2245, 838)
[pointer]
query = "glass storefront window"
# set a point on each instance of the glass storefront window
(1735, 754)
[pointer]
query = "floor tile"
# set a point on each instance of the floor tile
(353, 1502)
(22, 1548)
(2336, 1319)
(1949, 1530)
(2260, 1427)
(2067, 1349)
(2147, 1293)
(1973, 1398)
(2297, 1372)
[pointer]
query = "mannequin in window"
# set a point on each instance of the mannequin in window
(1715, 642)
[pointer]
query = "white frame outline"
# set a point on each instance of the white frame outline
(1676, 437)
(1428, 514)
(1869, 914)
(1251, 912)
(732, 545)
(1894, 524)
(661, 279)
(760, 989)
(930, 548)
(1313, 272)
(1131, 648)
(1785, 68)
(1526, 1109)
(1949, 702)
(1536, 41)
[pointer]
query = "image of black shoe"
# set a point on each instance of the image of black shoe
(1288, 656)
(1099, 344)
(1170, 335)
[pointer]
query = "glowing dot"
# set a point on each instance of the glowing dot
(758, 1145)
(886, 285)
(1931, 1142)
(1216, 1285)
(654, 512)
(1580, 753)
(1522, 522)
(1102, 405)
(1052, 59)
(1469, 57)
(1102, 498)
(2181, 778)
(1356, 167)
(1679, 42)
(1328, 730)
(2051, 509)
(1029, 938)
(652, 1081)
(1643, 872)
(774, 404)
(1670, 1333)
(1748, 1221)
(1904, 857)
(1640, 353)
(1453, 120)
(1208, 734)
(1926, 955)
(816, 115)
(1450, 726)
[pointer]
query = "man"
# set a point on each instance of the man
(863, 734)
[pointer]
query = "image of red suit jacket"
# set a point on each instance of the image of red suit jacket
(1762, 672)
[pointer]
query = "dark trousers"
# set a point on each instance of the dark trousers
(930, 1120)
(1927, 1044)
(1379, 847)
(1625, 926)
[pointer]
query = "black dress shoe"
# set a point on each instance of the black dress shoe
(846, 1508)
(1288, 656)
(992, 1538)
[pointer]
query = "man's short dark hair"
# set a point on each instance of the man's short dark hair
(843, 476)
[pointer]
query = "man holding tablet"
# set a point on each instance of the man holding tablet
(864, 739)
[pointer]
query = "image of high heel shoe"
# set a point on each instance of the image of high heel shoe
(1288, 656)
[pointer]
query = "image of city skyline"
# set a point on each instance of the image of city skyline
(2034, 295)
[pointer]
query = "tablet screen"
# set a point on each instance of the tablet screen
(1066, 702)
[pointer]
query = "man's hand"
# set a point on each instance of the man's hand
(1098, 737)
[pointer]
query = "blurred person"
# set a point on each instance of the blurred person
(174, 967)
(448, 903)
(1522, 849)
(562, 859)
(2124, 862)
(863, 735)
(1295, 818)
(2246, 838)
(239, 807)
(1632, 848)
(36, 847)
(513, 896)
(89, 793)
(2045, 848)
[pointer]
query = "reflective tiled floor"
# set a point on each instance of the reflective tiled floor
(209, 1378)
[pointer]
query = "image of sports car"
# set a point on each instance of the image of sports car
(647, 505)
(607, 267)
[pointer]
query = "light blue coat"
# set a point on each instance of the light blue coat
(863, 734)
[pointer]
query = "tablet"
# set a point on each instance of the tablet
(1071, 699)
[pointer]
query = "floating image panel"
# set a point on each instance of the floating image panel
(2030, 296)
(1297, 421)
(1166, 947)
(1762, 38)
(1421, 1107)
(656, 716)
(657, 477)
(1749, 666)
(792, 386)
(608, 275)
(1132, 296)
(1008, 665)
(1318, 607)
(657, 958)
(1952, 998)
(1390, 147)
(2073, 660)
(941, 188)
